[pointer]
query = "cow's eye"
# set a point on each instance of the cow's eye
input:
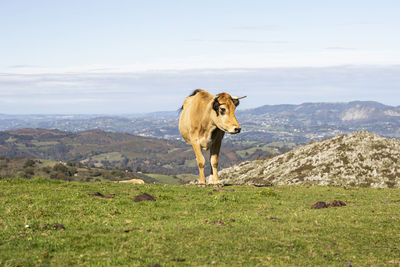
(223, 111)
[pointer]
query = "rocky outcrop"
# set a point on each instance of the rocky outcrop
(356, 159)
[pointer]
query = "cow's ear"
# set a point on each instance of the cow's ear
(216, 105)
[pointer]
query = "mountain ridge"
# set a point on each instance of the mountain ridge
(338, 107)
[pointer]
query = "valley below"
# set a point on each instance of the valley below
(149, 145)
(155, 160)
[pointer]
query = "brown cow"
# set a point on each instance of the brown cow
(204, 120)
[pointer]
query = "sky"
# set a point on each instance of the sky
(121, 57)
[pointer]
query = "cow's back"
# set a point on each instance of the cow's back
(195, 114)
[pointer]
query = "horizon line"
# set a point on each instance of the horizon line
(171, 111)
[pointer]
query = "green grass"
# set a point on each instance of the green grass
(187, 177)
(164, 179)
(191, 226)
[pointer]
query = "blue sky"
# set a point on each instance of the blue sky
(142, 56)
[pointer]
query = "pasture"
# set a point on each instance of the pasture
(46, 222)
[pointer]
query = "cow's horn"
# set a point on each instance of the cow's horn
(238, 97)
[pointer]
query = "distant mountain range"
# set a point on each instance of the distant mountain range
(356, 159)
(315, 121)
(330, 113)
(266, 124)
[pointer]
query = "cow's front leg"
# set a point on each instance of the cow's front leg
(214, 152)
(200, 163)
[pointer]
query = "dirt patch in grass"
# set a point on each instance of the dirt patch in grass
(144, 197)
(178, 259)
(53, 226)
(98, 194)
(323, 205)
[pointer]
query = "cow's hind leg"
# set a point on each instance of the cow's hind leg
(200, 163)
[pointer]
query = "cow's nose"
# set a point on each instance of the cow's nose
(237, 130)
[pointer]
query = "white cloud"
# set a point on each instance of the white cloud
(325, 57)
(144, 91)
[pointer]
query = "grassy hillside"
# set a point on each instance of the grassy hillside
(67, 171)
(47, 222)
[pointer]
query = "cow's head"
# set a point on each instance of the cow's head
(224, 106)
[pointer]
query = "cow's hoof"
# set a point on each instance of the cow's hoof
(201, 185)
(217, 185)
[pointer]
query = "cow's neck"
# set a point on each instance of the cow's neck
(212, 134)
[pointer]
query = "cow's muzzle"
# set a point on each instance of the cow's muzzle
(235, 130)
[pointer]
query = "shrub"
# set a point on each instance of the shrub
(75, 164)
(97, 173)
(29, 163)
(61, 176)
(46, 169)
(59, 167)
